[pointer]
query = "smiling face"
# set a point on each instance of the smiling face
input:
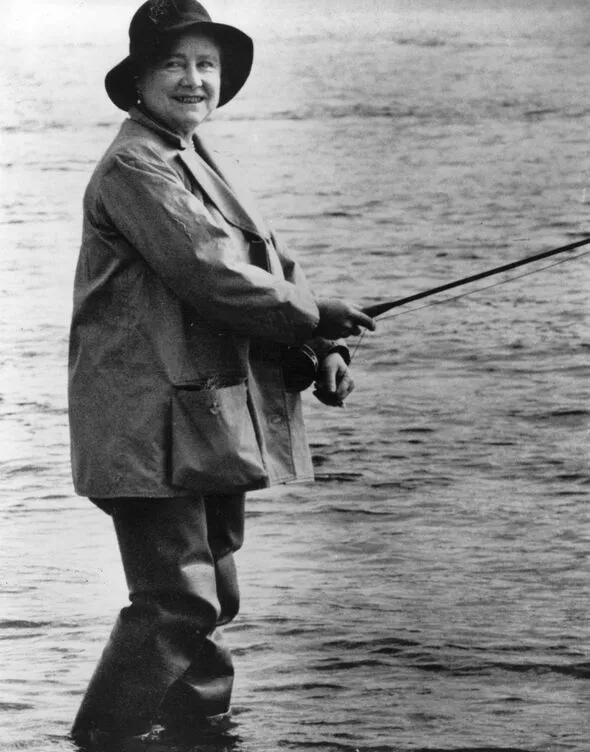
(182, 88)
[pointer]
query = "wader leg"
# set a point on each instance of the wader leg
(169, 557)
(205, 687)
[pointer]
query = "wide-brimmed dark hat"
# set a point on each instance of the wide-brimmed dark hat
(151, 29)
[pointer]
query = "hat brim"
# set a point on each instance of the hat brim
(237, 54)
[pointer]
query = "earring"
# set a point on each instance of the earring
(139, 98)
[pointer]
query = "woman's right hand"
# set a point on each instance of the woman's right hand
(339, 318)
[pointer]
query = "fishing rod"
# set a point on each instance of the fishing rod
(300, 365)
(379, 308)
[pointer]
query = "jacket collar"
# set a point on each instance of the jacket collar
(233, 202)
(140, 116)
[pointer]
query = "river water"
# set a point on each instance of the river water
(431, 590)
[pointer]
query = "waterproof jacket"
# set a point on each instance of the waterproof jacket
(183, 302)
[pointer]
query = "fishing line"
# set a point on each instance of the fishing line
(486, 287)
(469, 292)
(378, 309)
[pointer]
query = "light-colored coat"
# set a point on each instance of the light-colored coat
(182, 303)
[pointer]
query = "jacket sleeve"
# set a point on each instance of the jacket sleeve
(149, 205)
(293, 272)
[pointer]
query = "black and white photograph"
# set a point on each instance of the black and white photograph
(295, 376)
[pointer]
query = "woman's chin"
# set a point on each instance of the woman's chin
(191, 121)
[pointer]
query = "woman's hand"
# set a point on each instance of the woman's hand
(334, 382)
(339, 318)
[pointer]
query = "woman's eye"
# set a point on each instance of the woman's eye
(172, 64)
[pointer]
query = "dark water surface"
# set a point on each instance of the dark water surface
(431, 590)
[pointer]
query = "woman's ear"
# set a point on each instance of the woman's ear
(136, 81)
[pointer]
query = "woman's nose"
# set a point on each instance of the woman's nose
(192, 77)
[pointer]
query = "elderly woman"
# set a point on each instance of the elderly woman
(184, 307)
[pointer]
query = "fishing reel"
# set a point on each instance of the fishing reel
(301, 369)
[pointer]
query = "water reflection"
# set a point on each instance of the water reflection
(166, 740)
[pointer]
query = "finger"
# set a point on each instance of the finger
(330, 379)
(363, 320)
(328, 398)
(349, 390)
(345, 386)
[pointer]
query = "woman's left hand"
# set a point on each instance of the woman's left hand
(334, 382)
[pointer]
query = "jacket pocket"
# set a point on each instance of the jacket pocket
(214, 448)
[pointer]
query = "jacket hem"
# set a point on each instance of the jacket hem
(172, 493)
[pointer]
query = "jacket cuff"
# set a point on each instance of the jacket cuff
(324, 347)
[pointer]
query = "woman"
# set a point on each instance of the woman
(184, 305)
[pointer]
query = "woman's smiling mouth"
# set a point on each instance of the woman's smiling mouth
(189, 100)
